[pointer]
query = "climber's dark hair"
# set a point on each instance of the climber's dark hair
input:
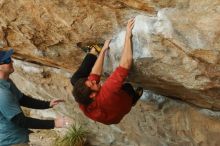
(81, 92)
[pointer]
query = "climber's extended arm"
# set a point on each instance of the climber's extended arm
(126, 58)
(97, 68)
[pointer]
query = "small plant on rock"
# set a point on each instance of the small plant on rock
(75, 136)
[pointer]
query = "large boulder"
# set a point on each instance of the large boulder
(176, 54)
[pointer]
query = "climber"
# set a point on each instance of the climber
(108, 103)
(14, 124)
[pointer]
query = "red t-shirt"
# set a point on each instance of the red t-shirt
(111, 102)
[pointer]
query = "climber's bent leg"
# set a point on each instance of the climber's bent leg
(85, 68)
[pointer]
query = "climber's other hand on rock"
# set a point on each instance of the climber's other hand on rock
(130, 26)
(106, 45)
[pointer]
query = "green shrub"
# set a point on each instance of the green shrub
(75, 136)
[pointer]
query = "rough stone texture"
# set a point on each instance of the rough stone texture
(151, 122)
(183, 64)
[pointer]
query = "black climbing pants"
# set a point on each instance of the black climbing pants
(128, 88)
(85, 68)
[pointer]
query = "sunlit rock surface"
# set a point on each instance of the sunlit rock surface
(176, 54)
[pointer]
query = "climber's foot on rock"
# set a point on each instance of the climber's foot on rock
(139, 92)
(93, 49)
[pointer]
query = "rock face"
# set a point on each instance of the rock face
(176, 51)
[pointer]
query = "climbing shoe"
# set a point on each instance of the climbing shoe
(138, 93)
(87, 48)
